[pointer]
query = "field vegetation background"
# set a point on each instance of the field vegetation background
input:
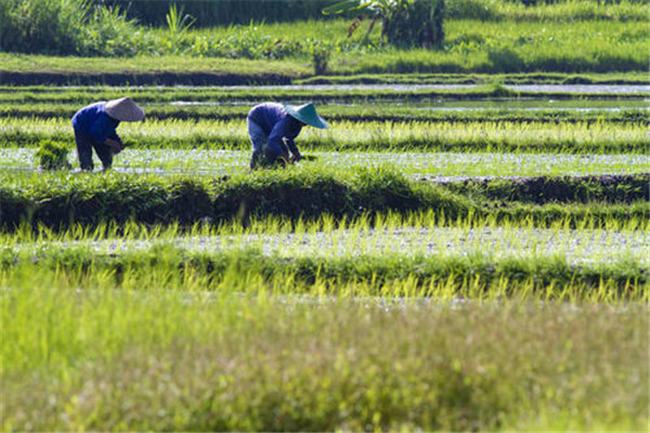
(483, 36)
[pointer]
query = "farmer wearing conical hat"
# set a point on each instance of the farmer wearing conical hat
(94, 127)
(272, 129)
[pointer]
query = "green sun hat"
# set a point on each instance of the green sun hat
(306, 114)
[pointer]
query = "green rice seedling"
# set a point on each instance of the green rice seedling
(61, 200)
(53, 156)
(592, 111)
(535, 137)
(346, 259)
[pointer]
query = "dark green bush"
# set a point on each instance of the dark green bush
(67, 27)
(32, 26)
(224, 12)
(420, 23)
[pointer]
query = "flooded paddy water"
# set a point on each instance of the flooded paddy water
(544, 88)
(510, 104)
(446, 165)
(451, 165)
(575, 246)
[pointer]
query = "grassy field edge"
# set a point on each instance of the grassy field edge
(31, 70)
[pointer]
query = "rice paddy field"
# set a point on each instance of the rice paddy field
(449, 258)
(467, 248)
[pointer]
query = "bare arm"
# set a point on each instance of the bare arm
(291, 145)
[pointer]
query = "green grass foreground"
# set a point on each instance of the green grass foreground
(63, 199)
(164, 360)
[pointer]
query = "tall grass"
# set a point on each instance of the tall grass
(67, 27)
(101, 359)
(224, 12)
(470, 46)
(39, 25)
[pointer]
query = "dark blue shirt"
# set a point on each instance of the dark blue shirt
(95, 122)
(275, 122)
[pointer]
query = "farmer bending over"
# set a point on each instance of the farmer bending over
(272, 128)
(94, 127)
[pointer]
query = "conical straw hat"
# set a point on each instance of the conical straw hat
(306, 114)
(125, 110)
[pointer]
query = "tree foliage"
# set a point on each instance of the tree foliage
(406, 23)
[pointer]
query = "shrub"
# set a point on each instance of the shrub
(32, 26)
(214, 12)
(66, 27)
(420, 23)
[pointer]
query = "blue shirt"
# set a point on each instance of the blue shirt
(93, 120)
(275, 122)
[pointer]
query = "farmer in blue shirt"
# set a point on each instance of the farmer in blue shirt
(94, 127)
(272, 129)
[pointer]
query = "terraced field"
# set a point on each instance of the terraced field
(457, 258)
